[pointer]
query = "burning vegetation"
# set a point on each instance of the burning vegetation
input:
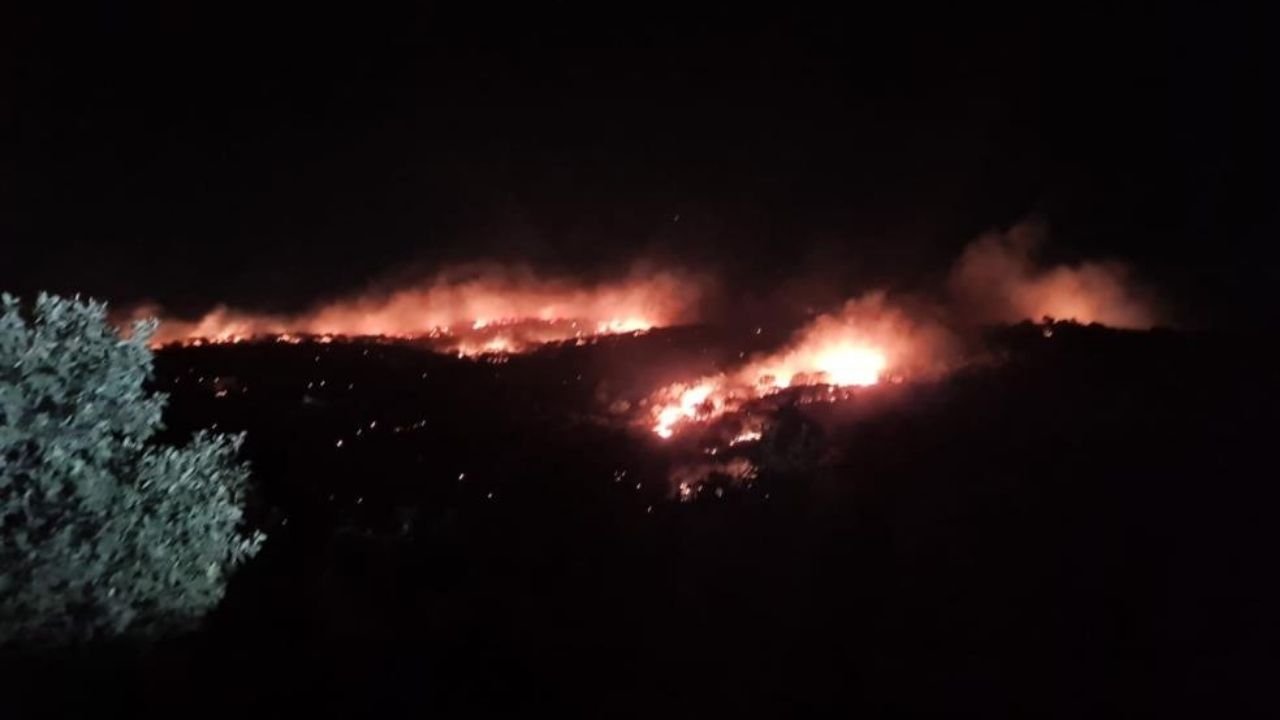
(494, 311)
(875, 339)
(868, 341)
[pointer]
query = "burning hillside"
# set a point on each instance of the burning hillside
(500, 310)
(866, 342)
(871, 339)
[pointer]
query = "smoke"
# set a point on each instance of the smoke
(490, 308)
(996, 279)
(876, 338)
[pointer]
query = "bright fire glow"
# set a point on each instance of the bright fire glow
(491, 311)
(689, 403)
(828, 361)
(854, 347)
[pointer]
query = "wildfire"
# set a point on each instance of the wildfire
(855, 347)
(494, 312)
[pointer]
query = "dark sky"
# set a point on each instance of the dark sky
(270, 158)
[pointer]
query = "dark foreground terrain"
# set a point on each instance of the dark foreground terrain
(1081, 526)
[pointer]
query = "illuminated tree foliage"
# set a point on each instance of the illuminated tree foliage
(103, 533)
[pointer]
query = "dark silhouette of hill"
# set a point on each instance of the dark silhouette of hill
(1079, 525)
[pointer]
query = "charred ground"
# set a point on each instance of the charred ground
(1077, 524)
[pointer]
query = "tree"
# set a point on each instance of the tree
(102, 532)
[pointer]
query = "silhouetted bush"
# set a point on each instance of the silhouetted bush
(102, 533)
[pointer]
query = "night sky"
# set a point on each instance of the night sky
(272, 158)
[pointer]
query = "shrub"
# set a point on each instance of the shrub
(101, 532)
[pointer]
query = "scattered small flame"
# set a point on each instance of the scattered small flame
(690, 480)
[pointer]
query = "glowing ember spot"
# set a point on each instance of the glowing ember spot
(689, 480)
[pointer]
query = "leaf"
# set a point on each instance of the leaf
(100, 533)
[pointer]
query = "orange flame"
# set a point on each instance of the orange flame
(855, 347)
(496, 311)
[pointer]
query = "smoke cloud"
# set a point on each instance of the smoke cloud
(996, 279)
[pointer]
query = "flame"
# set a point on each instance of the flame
(828, 360)
(690, 403)
(865, 342)
(869, 341)
(497, 311)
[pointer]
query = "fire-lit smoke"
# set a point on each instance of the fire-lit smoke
(494, 310)
(870, 339)
(866, 342)
(996, 280)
